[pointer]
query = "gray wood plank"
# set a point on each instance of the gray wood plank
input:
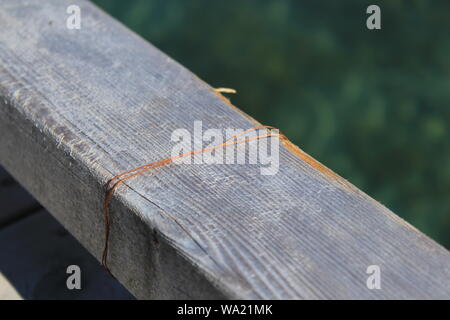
(79, 106)
(34, 255)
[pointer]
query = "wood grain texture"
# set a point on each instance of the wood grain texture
(79, 106)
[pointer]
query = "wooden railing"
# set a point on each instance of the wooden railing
(78, 106)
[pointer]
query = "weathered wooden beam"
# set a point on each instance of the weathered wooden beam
(79, 106)
(15, 202)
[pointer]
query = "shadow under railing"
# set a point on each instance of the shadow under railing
(35, 252)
